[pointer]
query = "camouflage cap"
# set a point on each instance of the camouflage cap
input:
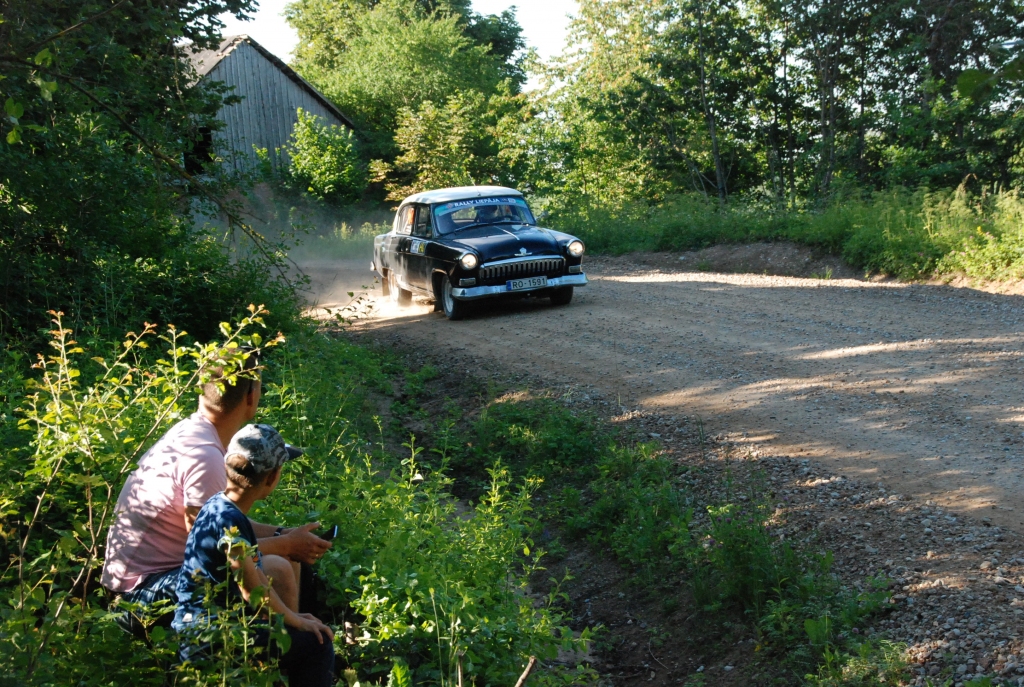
(262, 447)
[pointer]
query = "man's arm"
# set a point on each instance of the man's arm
(296, 543)
(262, 531)
(253, 577)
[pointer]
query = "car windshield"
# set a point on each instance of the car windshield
(462, 214)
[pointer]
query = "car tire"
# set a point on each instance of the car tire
(453, 309)
(561, 295)
(399, 296)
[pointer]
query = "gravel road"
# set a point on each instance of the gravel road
(913, 386)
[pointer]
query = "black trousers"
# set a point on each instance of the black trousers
(308, 662)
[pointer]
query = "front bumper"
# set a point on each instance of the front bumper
(473, 292)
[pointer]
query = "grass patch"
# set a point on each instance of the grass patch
(903, 233)
(436, 590)
(626, 499)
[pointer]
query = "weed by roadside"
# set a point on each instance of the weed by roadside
(627, 499)
(910, 234)
(436, 592)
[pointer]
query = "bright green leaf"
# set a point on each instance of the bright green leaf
(14, 108)
(43, 58)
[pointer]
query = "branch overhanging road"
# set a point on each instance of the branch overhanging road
(915, 386)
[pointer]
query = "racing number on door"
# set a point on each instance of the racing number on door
(419, 263)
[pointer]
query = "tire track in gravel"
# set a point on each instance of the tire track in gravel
(916, 386)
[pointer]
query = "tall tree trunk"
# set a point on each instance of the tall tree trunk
(709, 114)
(827, 44)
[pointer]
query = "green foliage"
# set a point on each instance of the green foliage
(779, 100)
(632, 507)
(87, 429)
(868, 664)
(327, 27)
(97, 219)
(437, 146)
(435, 589)
(632, 501)
(911, 235)
(323, 159)
(427, 583)
(742, 563)
(397, 56)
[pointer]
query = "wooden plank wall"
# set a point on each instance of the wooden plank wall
(266, 115)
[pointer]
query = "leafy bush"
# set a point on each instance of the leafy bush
(98, 218)
(631, 500)
(59, 495)
(323, 159)
(434, 590)
(437, 145)
(908, 234)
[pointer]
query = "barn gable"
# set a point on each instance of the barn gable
(271, 91)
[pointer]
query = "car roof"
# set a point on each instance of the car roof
(444, 195)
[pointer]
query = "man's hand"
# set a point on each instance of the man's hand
(304, 546)
(307, 623)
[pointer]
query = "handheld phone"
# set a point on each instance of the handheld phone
(330, 534)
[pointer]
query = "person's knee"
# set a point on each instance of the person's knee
(284, 579)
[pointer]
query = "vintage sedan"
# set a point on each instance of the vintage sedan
(457, 245)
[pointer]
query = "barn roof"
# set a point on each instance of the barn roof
(205, 61)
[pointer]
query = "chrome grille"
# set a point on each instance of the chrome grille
(517, 269)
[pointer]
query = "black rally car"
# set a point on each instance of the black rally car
(455, 245)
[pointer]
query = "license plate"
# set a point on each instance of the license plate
(525, 284)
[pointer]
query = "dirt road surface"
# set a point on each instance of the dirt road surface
(914, 386)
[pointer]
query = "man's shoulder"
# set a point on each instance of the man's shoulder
(193, 435)
(193, 443)
(195, 432)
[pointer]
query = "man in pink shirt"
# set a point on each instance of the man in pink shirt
(161, 498)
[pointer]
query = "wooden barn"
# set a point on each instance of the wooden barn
(271, 91)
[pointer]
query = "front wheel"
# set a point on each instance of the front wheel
(399, 296)
(561, 295)
(453, 309)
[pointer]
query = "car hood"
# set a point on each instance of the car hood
(497, 242)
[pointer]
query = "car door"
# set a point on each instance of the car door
(418, 261)
(396, 245)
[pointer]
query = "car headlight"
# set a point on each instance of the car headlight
(468, 261)
(575, 248)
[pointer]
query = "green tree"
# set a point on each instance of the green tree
(691, 108)
(323, 159)
(373, 59)
(326, 27)
(437, 145)
(563, 141)
(792, 101)
(95, 211)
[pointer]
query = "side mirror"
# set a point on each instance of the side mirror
(543, 215)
